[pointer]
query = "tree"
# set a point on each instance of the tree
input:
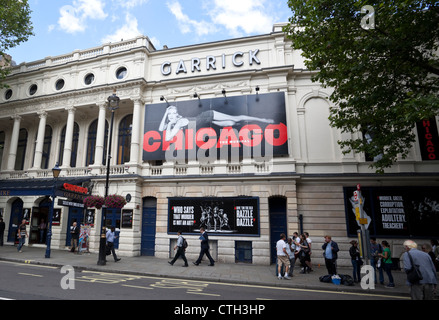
(382, 65)
(15, 28)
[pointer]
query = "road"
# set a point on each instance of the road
(35, 282)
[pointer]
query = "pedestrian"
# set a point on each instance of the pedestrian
(282, 257)
(180, 250)
(354, 252)
(330, 250)
(22, 234)
(427, 248)
(387, 262)
(111, 236)
(204, 240)
(375, 250)
(423, 289)
(291, 249)
(74, 231)
(308, 262)
(42, 228)
(2, 231)
(304, 253)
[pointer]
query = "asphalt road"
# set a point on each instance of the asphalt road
(35, 282)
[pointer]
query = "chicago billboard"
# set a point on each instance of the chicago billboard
(206, 130)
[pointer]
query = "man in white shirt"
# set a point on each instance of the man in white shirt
(110, 242)
(282, 257)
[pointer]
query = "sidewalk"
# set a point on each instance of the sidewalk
(227, 273)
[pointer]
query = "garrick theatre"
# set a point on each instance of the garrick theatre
(230, 135)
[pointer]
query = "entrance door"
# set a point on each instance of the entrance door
(75, 215)
(149, 216)
(278, 222)
(15, 221)
(39, 214)
(112, 219)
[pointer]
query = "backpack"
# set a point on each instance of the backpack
(184, 243)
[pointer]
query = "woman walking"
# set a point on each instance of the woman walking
(387, 262)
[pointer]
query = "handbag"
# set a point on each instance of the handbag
(414, 275)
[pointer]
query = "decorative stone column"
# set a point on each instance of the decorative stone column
(40, 140)
(100, 135)
(14, 142)
(69, 137)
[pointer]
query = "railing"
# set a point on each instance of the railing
(167, 170)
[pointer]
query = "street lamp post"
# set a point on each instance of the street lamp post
(56, 171)
(113, 105)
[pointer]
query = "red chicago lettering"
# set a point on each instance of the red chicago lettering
(283, 134)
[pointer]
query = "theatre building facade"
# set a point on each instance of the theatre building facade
(232, 136)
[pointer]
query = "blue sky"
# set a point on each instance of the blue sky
(62, 26)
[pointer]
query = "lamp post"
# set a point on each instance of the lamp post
(56, 171)
(113, 105)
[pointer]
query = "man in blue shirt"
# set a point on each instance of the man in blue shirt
(110, 243)
(423, 289)
(330, 249)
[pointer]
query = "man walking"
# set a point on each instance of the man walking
(204, 248)
(423, 289)
(282, 257)
(330, 249)
(110, 243)
(2, 231)
(180, 250)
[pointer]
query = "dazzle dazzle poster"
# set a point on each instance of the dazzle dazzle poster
(396, 212)
(252, 126)
(220, 216)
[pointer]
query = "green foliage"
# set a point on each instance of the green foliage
(15, 28)
(385, 79)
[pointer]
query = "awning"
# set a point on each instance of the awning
(35, 187)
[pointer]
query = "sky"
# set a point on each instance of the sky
(63, 26)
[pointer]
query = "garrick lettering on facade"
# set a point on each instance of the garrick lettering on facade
(210, 63)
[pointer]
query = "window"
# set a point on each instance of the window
(124, 142)
(21, 150)
(74, 145)
(33, 89)
(2, 147)
(8, 94)
(59, 84)
(121, 73)
(89, 79)
(243, 251)
(91, 144)
(46, 147)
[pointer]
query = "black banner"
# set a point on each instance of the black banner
(217, 128)
(396, 212)
(220, 216)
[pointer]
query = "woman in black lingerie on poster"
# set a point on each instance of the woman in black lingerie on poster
(173, 122)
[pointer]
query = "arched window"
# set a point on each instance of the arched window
(74, 145)
(21, 150)
(46, 147)
(91, 143)
(2, 146)
(124, 141)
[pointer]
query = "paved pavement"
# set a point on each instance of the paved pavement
(228, 273)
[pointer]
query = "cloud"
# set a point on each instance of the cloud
(188, 25)
(129, 30)
(243, 16)
(129, 4)
(74, 17)
(239, 18)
